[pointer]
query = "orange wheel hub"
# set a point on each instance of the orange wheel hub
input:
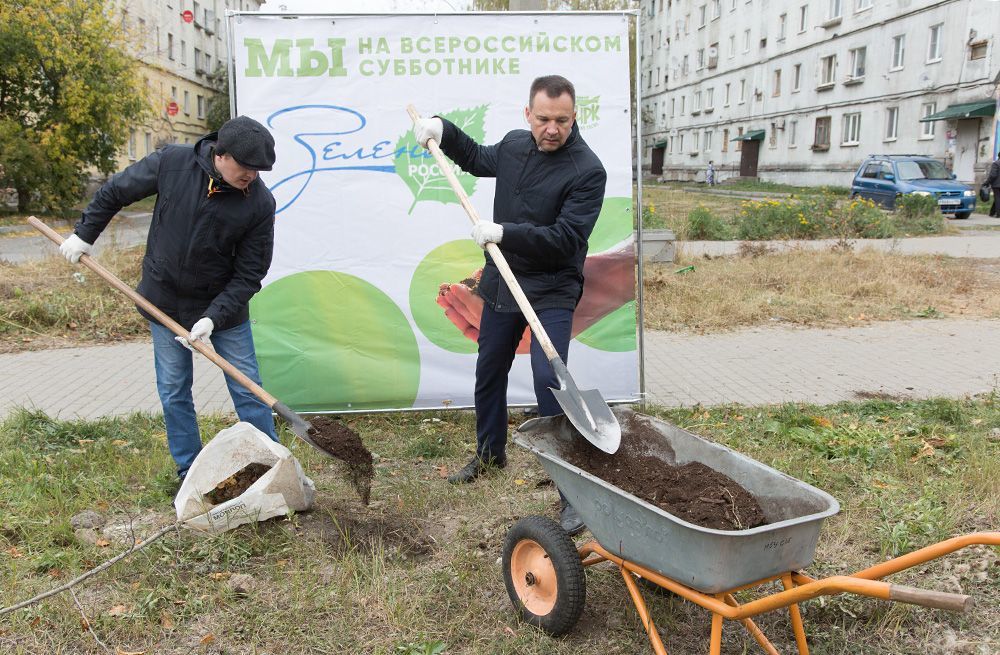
(534, 577)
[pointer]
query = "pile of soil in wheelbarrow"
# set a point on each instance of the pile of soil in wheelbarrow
(236, 483)
(336, 438)
(692, 492)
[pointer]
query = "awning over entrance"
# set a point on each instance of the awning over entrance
(660, 144)
(752, 135)
(978, 109)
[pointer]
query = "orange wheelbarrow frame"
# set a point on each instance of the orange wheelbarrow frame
(798, 587)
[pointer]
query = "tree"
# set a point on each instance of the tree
(218, 105)
(68, 92)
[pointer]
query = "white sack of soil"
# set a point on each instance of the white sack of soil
(282, 487)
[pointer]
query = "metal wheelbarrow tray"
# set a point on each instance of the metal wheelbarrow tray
(705, 559)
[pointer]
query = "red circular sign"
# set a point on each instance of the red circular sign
(188, 16)
(172, 108)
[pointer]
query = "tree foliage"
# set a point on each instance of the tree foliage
(68, 92)
(218, 106)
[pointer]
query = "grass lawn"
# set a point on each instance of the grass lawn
(417, 571)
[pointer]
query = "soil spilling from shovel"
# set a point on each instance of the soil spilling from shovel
(236, 483)
(336, 438)
(692, 492)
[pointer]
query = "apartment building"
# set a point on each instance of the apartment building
(180, 43)
(800, 91)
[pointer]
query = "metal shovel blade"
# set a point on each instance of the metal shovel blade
(587, 410)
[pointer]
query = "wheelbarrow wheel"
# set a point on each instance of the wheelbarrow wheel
(543, 574)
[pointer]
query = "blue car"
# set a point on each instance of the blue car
(885, 178)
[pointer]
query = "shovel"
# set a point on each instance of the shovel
(586, 409)
(301, 427)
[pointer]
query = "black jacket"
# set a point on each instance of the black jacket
(993, 179)
(205, 255)
(547, 203)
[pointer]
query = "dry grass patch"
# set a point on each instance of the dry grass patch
(665, 207)
(48, 303)
(816, 288)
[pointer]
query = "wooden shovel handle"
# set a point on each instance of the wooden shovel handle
(501, 262)
(165, 320)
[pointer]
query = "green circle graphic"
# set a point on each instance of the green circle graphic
(613, 226)
(330, 341)
(451, 262)
(613, 333)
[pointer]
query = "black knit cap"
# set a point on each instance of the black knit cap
(248, 142)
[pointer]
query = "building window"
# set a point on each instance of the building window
(746, 41)
(173, 93)
(708, 140)
(776, 91)
(978, 50)
(187, 103)
(702, 16)
(673, 105)
(821, 139)
(725, 101)
(701, 58)
(891, 123)
(796, 78)
(782, 22)
(739, 144)
(684, 65)
(170, 46)
(927, 129)
(710, 98)
(852, 129)
(773, 138)
(201, 106)
(680, 143)
(197, 60)
(713, 54)
(208, 63)
(791, 133)
(732, 5)
(149, 142)
(861, 5)
(858, 63)
(694, 141)
(934, 43)
(732, 46)
(131, 145)
(743, 92)
(184, 57)
(716, 9)
(725, 140)
(827, 69)
(696, 105)
(803, 18)
(898, 51)
(836, 9)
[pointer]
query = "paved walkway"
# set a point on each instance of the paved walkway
(919, 359)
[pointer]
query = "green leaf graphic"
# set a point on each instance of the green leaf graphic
(419, 169)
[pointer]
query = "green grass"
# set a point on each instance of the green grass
(417, 571)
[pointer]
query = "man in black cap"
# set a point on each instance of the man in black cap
(209, 246)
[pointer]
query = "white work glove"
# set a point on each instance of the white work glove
(485, 233)
(73, 247)
(428, 128)
(200, 331)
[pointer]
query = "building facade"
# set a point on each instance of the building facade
(801, 91)
(180, 44)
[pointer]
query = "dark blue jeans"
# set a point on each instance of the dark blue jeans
(175, 375)
(499, 334)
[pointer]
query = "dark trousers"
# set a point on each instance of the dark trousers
(995, 209)
(499, 335)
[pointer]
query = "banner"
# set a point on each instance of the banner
(367, 227)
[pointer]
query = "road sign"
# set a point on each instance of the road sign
(172, 108)
(187, 15)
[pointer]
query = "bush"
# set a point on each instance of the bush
(862, 218)
(918, 215)
(770, 219)
(704, 225)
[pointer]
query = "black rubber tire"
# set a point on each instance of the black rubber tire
(961, 216)
(571, 581)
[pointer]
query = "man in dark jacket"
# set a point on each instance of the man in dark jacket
(209, 246)
(549, 193)
(993, 180)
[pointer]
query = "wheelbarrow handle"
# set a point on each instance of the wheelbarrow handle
(926, 598)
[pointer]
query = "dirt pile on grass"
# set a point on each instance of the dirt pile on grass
(693, 492)
(340, 441)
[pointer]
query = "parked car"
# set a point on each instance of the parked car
(886, 178)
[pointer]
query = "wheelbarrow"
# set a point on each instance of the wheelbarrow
(544, 569)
